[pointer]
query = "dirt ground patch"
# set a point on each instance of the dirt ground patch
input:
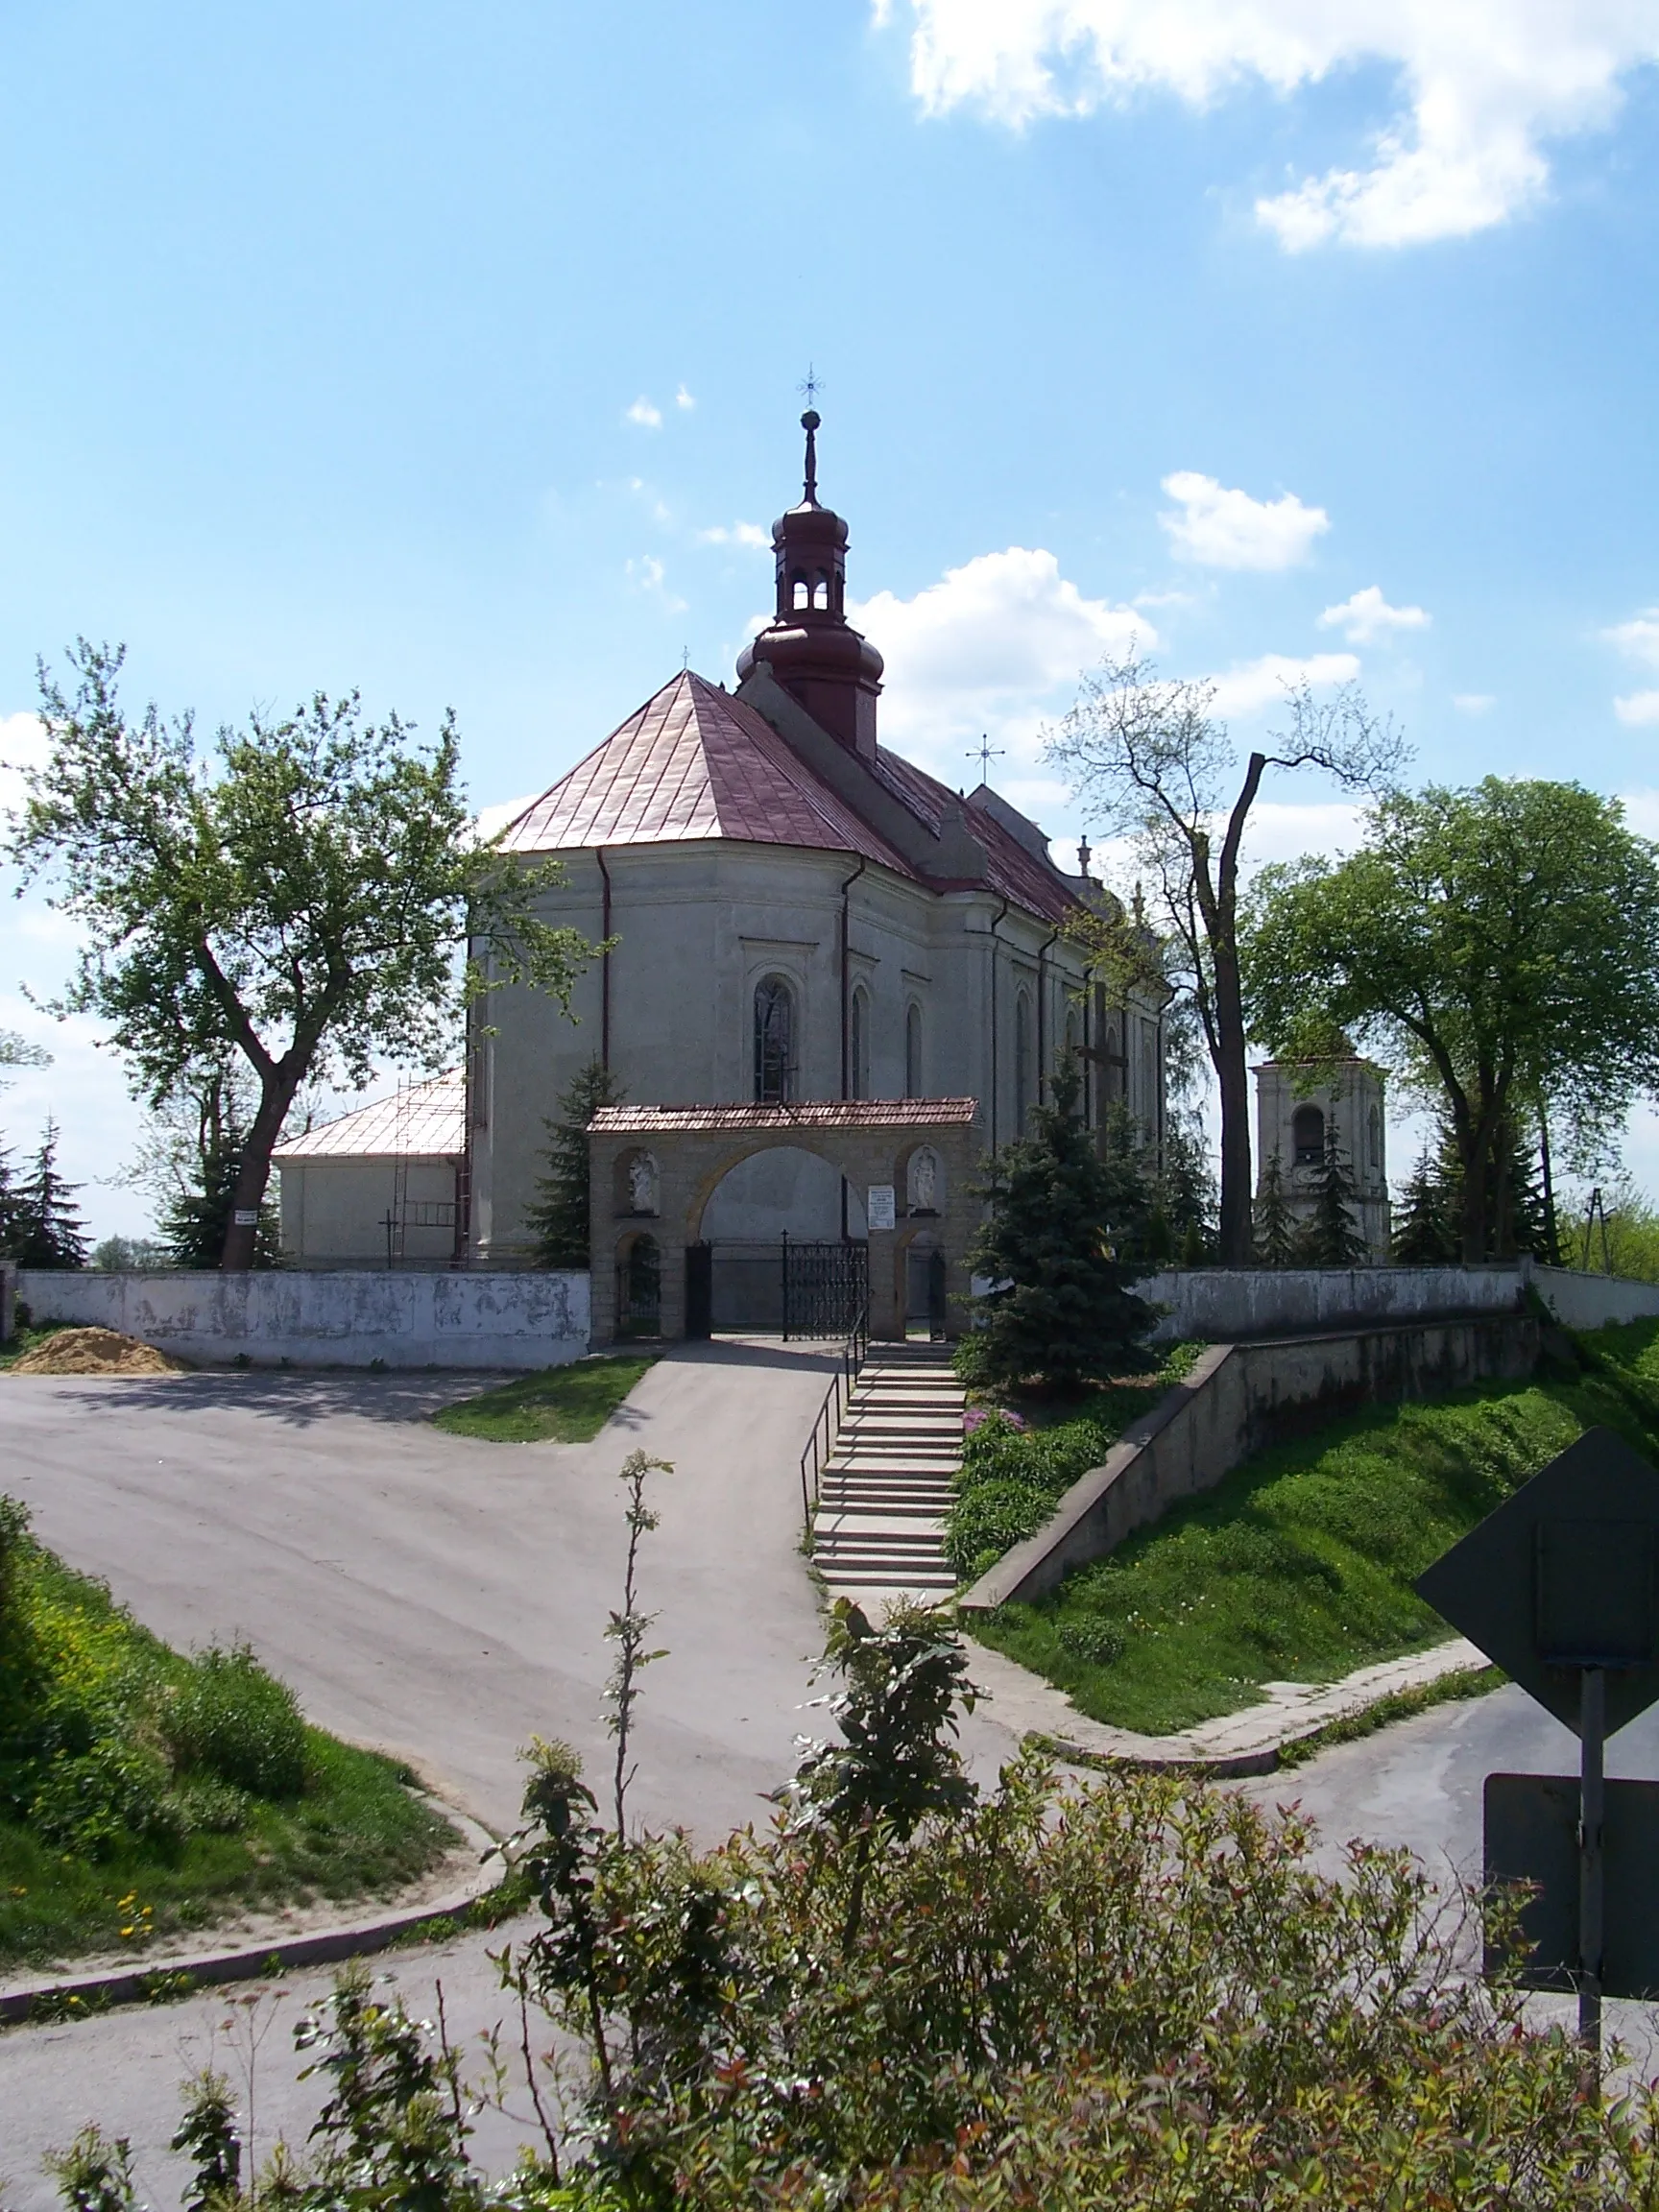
(95, 1351)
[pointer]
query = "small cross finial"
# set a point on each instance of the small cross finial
(810, 385)
(984, 753)
(685, 658)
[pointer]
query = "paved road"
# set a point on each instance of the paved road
(443, 1597)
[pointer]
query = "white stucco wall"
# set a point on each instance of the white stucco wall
(699, 924)
(339, 1318)
(1220, 1305)
(334, 1211)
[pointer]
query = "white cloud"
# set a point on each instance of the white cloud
(644, 413)
(738, 534)
(1484, 85)
(1639, 638)
(1368, 617)
(995, 646)
(1284, 829)
(1638, 709)
(1264, 682)
(1223, 529)
(489, 819)
(1474, 702)
(684, 400)
(22, 745)
(1642, 811)
(647, 575)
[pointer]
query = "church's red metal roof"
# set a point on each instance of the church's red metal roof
(692, 763)
(425, 1120)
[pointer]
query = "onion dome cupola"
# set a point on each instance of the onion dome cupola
(813, 650)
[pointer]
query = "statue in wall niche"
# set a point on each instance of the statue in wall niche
(924, 1182)
(642, 1183)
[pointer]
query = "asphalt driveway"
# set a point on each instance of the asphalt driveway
(443, 1597)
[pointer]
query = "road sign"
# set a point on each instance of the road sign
(1565, 1576)
(1532, 1832)
(1560, 1586)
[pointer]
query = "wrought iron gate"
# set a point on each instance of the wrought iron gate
(792, 1288)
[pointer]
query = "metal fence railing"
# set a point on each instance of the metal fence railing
(831, 1414)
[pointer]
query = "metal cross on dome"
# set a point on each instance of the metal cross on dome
(810, 385)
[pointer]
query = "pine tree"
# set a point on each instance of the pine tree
(47, 1229)
(1134, 1228)
(1331, 1236)
(1063, 1310)
(1185, 1196)
(1426, 1226)
(1275, 1230)
(10, 1227)
(193, 1223)
(559, 1219)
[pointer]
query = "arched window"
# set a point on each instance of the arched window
(774, 1039)
(1374, 1131)
(1022, 1060)
(858, 1046)
(639, 1288)
(1308, 1136)
(913, 1086)
(799, 590)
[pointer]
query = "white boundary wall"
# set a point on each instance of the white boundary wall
(335, 1317)
(1222, 1305)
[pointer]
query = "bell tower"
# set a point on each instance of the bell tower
(813, 650)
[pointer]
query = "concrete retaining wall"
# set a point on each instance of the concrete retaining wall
(1237, 1399)
(1223, 1305)
(335, 1319)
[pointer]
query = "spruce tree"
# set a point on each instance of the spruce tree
(1426, 1226)
(1331, 1236)
(1063, 1310)
(10, 1227)
(1136, 1229)
(47, 1229)
(558, 1219)
(1275, 1229)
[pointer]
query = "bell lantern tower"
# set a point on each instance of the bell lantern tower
(811, 649)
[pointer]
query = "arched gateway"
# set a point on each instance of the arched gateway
(907, 1165)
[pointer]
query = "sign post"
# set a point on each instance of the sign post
(1560, 1587)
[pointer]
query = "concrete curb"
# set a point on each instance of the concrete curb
(1253, 1741)
(322, 1947)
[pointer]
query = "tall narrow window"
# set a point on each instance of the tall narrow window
(913, 1088)
(774, 1041)
(859, 1047)
(1022, 1060)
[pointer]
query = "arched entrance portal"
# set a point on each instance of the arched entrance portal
(783, 1216)
(782, 1244)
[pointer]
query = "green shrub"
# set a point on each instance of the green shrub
(102, 1800)
(235, 1722)
(207, 1807)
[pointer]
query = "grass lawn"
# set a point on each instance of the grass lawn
(559, 1405)
(142, 1792)
(1298, 1567)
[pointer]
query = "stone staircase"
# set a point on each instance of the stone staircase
(887, 1486)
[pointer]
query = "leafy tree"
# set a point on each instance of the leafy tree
(1332, 1236)
(1275, 1226)
(559, 1219)
(296, 901)
(1425, 1223)
(1062, 1309)
(1499, 943)
(121, 1255)
(46, 1225)
(1151, 761)
(18, 1052)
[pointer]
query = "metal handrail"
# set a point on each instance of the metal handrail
(836, 1399)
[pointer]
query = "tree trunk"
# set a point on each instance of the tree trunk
(242, 1229)
(1236, 1243)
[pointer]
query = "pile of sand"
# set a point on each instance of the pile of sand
(94, 1352)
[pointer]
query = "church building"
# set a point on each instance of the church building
(796, 914)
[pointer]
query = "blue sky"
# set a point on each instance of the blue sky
(454, 354)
